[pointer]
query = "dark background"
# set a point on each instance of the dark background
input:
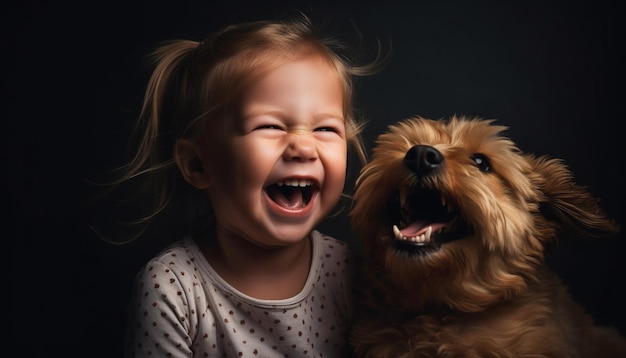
(73, 77)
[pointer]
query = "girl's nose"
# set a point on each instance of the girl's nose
(301, 147)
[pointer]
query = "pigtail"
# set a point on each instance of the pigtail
(157, 120)
(167, 60)
(166, 103)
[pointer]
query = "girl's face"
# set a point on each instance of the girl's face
(281, 165)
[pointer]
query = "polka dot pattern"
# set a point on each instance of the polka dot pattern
(182, 308)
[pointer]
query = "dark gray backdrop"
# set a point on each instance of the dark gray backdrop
(73, 75)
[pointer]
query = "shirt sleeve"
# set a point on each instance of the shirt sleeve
(158, 315)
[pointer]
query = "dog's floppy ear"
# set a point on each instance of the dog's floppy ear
(568, 204)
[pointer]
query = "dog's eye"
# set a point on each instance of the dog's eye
(482, 162)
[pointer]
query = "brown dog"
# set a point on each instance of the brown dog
(455, 220)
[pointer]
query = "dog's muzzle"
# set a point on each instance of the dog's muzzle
(427, 218)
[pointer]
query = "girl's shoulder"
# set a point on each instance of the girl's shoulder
(184, 250)
(180, 261)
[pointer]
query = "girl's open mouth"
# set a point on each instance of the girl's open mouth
(292, 193)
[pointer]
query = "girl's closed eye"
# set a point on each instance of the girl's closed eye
(269, 126)
(261, 121)
(331, 127)
(326, 129)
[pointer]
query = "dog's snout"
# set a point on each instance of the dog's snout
(422, 159)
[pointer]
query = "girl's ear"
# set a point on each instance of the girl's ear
(190, 165)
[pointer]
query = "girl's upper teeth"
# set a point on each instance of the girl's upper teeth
(295, 182)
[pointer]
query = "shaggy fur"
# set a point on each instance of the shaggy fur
(478, 287)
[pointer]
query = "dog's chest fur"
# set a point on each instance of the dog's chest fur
(503, 329)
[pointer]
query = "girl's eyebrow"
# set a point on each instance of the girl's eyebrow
(324, 116)
(280, 113)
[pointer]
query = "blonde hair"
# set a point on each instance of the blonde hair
(194, 84)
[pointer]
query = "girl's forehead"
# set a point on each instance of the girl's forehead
(232, 81)
(254, 70)
(272, 60)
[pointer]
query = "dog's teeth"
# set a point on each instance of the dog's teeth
(423, 238)
(443, 200)
(396, 232)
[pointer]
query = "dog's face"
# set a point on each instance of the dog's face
(455, 208)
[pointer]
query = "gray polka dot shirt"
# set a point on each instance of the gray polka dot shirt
(182, 308)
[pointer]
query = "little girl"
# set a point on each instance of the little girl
(257, 118)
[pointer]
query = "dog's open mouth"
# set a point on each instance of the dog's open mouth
(426, 219)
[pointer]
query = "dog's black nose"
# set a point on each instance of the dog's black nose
(422, 159)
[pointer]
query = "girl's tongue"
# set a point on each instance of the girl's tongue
(288, 196)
